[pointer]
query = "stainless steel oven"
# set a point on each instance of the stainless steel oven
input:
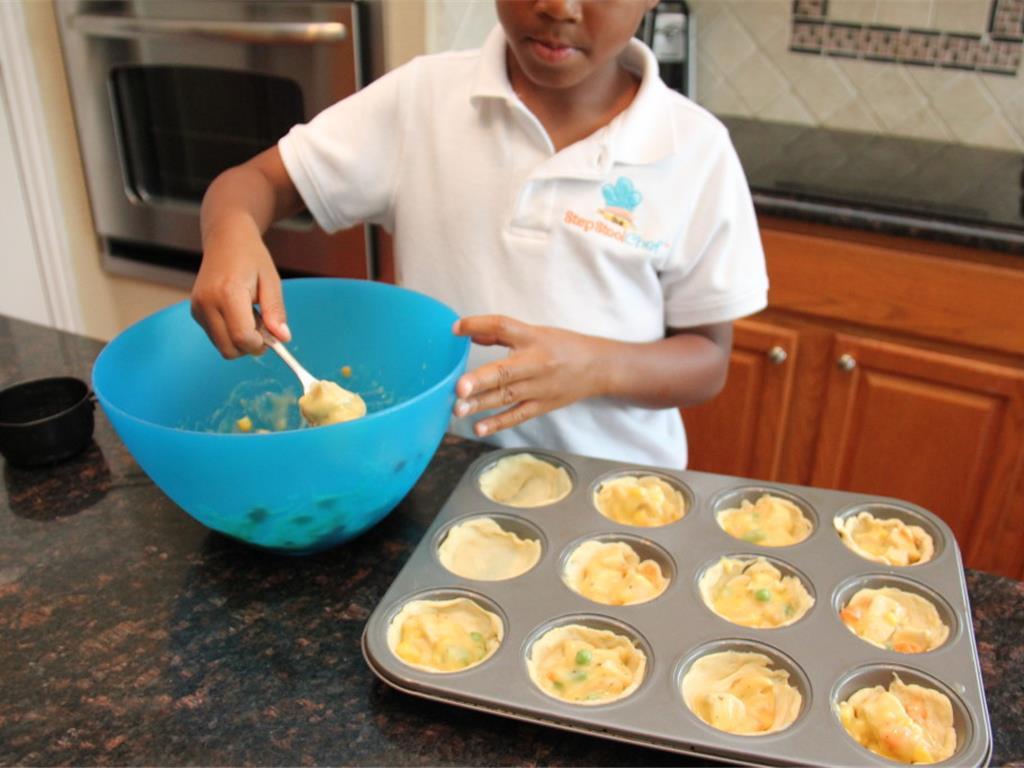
(168, 94)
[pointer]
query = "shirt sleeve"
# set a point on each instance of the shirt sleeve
(718, 272)
(344, 162)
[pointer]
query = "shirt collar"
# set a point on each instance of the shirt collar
(641, 134)
(644, 132)
(492, 74)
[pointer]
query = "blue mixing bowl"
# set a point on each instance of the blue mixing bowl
(176, 403)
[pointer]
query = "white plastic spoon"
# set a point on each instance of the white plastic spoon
(322, 402)
(307, 379)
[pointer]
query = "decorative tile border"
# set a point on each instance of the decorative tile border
(1006, 22)
(996, 51)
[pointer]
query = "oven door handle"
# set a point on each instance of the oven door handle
(98, 25)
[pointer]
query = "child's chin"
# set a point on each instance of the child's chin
(556, 77)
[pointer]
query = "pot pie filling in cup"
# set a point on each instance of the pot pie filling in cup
(444, 635)
(906, 723)
(481, 549)
(771, 521)
(740, 692)
(523, 480)
(754, 593)
(885, 540)
(895, 619)
(640, 500)
(612, 573)
(584, 665)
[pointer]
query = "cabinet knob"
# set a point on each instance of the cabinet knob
(846, 362)
(777, 355)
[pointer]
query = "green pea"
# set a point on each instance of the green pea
(763, 595)
(476, 637)
(559, 685)
(755, 536)
(790, 609)
(583, 657)
(577, 676)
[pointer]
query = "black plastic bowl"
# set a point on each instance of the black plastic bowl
(45, 421)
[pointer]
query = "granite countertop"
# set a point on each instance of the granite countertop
(912, 187)
(131, 635)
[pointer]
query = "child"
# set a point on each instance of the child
(592, 228)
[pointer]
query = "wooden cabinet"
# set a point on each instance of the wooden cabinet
(888, 367)
(755, 405)
(944, 431)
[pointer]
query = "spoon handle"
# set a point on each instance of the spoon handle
(275, 344)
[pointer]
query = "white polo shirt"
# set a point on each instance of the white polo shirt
(645, 224)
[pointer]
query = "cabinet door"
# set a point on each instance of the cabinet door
(939, 430)
(740, 432)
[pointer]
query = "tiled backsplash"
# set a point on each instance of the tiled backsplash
(933, 69)
(996, 49)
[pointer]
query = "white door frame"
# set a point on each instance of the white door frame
(38, 176)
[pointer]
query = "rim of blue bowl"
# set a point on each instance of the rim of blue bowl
(369, 417)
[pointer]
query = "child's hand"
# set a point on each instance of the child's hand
(237, 272)
(546, 369)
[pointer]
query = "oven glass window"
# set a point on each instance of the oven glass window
(181, 126)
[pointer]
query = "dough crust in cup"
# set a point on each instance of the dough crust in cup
(739, 692)
(754, 593)
(894, 619)
(481, 549)
(906, 723)
(885, 540)
(444, 635)
(612, 573)
(523, 480)
(646, 501)
(771, 521)
(587, 666)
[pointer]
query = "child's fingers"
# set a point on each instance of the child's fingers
(239, 321)
(523, 385)
(489, 330)
(218, 333)
(495, 398)
(272, 305)
(207, 314)
(510, 418)
(499, 375)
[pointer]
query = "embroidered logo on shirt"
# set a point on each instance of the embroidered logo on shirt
(621, 199)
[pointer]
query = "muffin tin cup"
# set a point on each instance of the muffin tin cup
(745, 556)
(644, 548)
(597, 483)
(871, 675)
(845, 592)
(899, 510)
(510, 523)
(677, 625)
(732, 498)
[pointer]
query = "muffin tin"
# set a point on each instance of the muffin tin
(825, 660)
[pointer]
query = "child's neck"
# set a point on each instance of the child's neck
(571, 114)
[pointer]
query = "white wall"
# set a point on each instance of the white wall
(22, 290)
(457, 24)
